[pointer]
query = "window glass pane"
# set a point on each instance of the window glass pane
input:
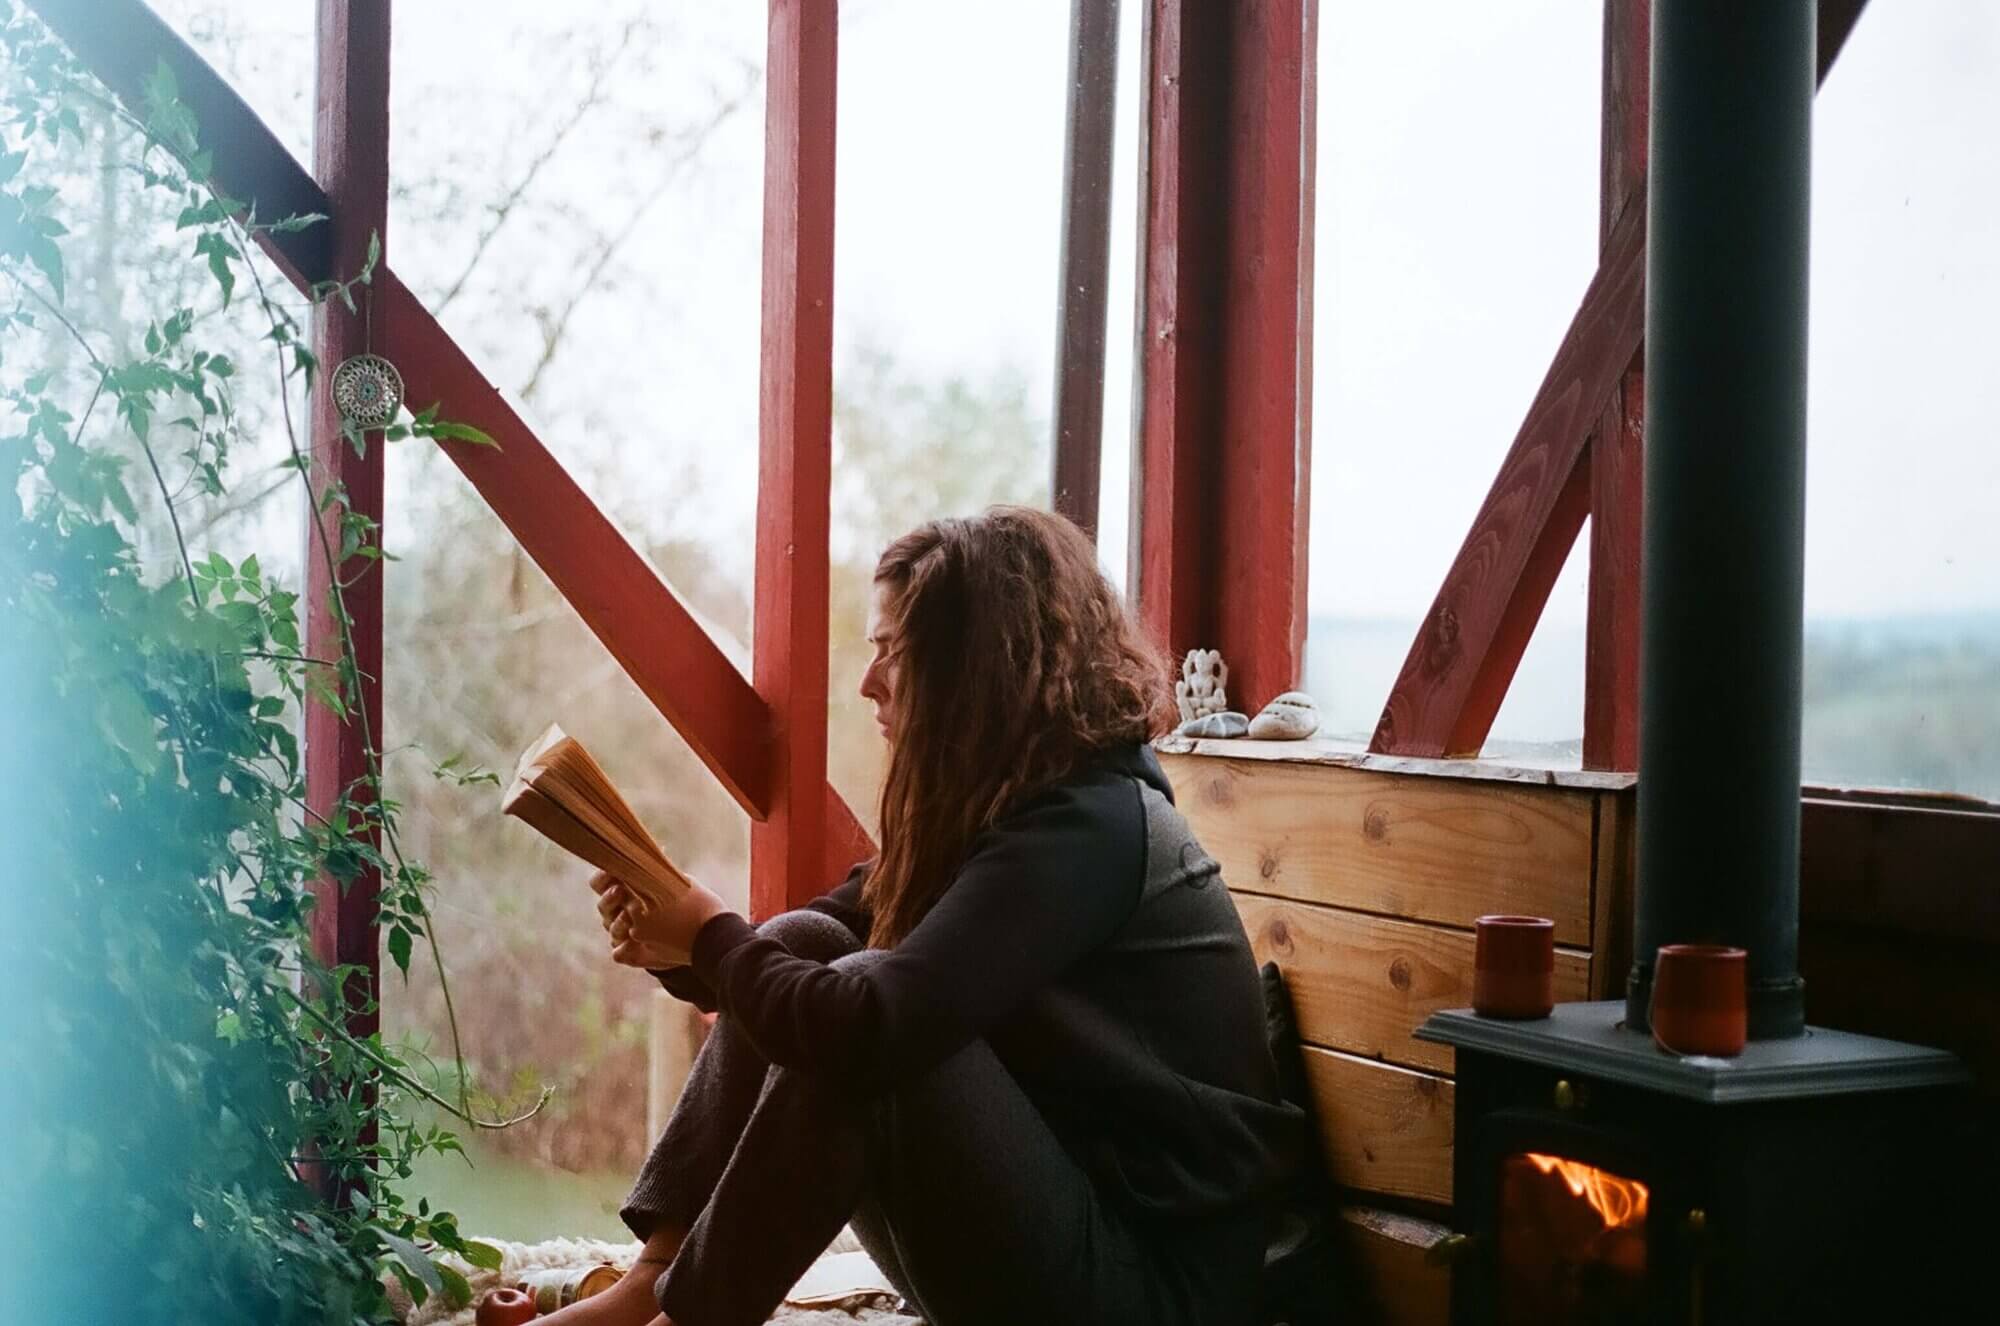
(1902, 548)
(481, 654)
(1121, 414)
(949, 183)
(577, 196)
(584, 217)
(1541, 720)
(264, 51)
(1457, 230)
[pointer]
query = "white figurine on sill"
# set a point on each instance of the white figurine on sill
(1203, 698)
(1200, 691)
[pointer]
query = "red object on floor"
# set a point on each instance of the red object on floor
(504, 1307)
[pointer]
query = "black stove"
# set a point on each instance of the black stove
(1822, 1177)
(1818, 1176)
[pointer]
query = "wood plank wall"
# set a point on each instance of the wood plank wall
(1362, 883)
(1360, 876)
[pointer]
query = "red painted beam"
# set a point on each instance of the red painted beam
(1471, 641)
(1463, 659)
(1224, 450)
(611, 586)
(123, 41)
(1616, 458)
(616, 592)
(351, 160)
(788, 848)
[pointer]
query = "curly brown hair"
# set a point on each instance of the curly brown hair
(1016, 663)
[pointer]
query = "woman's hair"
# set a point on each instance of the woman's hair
(1015, 664)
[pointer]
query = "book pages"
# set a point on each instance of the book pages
(565, 795)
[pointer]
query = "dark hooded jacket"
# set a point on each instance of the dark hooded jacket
(1089, 940)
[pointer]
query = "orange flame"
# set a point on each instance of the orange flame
(1618, 1202)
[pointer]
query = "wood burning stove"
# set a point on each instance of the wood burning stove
(1598, 1179)
(1818, 1175)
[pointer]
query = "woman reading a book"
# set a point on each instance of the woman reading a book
(1022, 1052)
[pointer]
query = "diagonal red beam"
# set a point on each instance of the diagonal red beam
(1471, 640)
(621, 598)
(123, 41)
(611, 586)
(1464, 657)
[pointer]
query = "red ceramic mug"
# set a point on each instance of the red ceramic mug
(1513, 966)
(1699, 999)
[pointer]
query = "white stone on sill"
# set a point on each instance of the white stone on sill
(1289, 717)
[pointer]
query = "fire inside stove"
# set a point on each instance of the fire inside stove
(1572, 1241)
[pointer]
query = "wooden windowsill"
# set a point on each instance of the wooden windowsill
(1354, 755)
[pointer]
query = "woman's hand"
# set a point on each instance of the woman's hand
(650, 934)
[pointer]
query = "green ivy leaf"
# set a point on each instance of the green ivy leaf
(483, 1255)
(399, 948)
(125, 721)
(457, 1290)
(289, 224)
(410, 1255)
(452, 432)
(42, 252)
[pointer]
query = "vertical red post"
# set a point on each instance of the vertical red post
(788, 847)
(1225, 434)
(1617, 462)
(351, 163)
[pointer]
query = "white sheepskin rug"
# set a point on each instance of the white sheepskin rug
(843, 1288)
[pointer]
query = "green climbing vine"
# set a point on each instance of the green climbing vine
(187, 1089)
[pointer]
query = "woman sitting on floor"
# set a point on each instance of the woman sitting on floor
(1023, 1051)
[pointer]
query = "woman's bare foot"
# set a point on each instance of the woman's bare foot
(630, 1302)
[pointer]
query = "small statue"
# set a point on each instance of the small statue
(1200, 691)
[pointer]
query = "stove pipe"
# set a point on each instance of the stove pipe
(1728, 187)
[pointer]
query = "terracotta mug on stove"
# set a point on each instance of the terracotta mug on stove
(1699, 999)
(1513, 966)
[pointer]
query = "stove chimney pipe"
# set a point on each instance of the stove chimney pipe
(1729, 181)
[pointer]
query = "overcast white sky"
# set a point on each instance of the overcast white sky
(1457, 229)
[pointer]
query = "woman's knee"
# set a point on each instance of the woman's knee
(812, 935)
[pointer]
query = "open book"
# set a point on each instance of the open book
(561, 791)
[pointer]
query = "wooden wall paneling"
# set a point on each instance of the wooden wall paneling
(1384, 1129)
(1922, 872)
(1223, 449)
(788, 847)
(1362, 984)
(1430, 849)
(1614, 874)
(351, 161)
(1390, 1256)
(1927, 991)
